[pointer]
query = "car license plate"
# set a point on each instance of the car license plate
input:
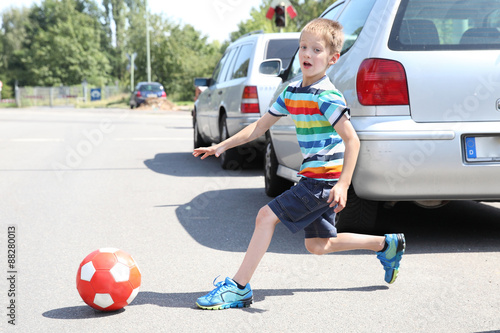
(152, 95)
(482, 148)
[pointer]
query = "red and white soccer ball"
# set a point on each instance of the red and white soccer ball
(108, 279)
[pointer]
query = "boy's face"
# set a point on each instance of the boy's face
(315, 57)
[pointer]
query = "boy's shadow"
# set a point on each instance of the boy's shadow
(225, 220)
(184, 164)
(187, 300)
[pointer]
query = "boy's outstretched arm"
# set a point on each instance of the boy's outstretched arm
(249, 133)
(338, 194)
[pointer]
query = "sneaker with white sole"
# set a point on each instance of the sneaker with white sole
(225, 295)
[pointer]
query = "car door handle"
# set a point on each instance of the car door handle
(220, 92)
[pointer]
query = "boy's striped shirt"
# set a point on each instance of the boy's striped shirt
(315, 109)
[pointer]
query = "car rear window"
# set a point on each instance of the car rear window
(283, 49)
(353, 19)
(150, 87)
(446, 25)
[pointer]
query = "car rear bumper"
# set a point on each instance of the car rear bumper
(237, 123)
(404, 160)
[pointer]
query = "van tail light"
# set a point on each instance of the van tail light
(382, 82)
(163, 94)
(250, 100)
(138, 94)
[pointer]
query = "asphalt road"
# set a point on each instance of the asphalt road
(73, 181)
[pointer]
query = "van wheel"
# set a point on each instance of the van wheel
(197, 139)
(230, 159)
(274, 184)
(359, 215)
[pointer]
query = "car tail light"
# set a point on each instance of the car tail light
(138, 94)
(250, 100)
(382, 82)
(163, 94)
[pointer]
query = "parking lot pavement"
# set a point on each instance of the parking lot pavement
(73, 181)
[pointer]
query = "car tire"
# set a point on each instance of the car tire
(197, 138)
(359, 215)
(230, 159)
(274, 184)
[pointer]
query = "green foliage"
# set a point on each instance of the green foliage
(307, 10)
(62, 42)
(186, 55)
(12, 37)
(75, 35)
(61, 45)
(6, 89)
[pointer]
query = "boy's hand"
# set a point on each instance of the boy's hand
(207, 151)
(338, 196)
(249, 133)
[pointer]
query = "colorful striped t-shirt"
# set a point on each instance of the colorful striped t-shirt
(315, 109)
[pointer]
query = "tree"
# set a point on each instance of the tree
(178, 54)
(65, 41)
(115, 11)
(135, 40)
(58, 25)
(307, 10)
(186, 55)
(12, 38)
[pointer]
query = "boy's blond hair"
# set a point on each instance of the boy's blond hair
(330, 30)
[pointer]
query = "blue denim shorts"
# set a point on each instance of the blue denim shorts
(305, 207)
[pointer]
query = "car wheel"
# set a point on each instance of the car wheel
(230, 159)
(197, 139)
(359, 215)
(274, 184)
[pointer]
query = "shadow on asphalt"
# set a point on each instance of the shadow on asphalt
(188, 299)
(224, 220)
(460, 226)
(186, 165)
(182, 165)
(79, 312)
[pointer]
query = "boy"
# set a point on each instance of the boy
(330, 147)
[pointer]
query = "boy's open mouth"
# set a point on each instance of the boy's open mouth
(306, 64)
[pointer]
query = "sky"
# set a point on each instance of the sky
(213, 18)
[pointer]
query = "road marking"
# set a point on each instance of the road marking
(150, 139)
(35, 140)
(114, 139)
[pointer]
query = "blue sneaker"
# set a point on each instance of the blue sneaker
(226, 295)
(391, 257)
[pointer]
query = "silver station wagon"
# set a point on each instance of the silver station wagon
(422, 80)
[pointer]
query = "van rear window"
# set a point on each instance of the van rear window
(446, 25)
(283, 49)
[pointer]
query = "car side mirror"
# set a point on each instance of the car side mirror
(271, 67)
(202, 82)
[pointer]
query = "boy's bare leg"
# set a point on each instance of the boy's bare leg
(345, 242)
(389, 258)
(265, 224)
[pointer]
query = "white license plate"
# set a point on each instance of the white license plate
(152, 95)
(482, 148)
